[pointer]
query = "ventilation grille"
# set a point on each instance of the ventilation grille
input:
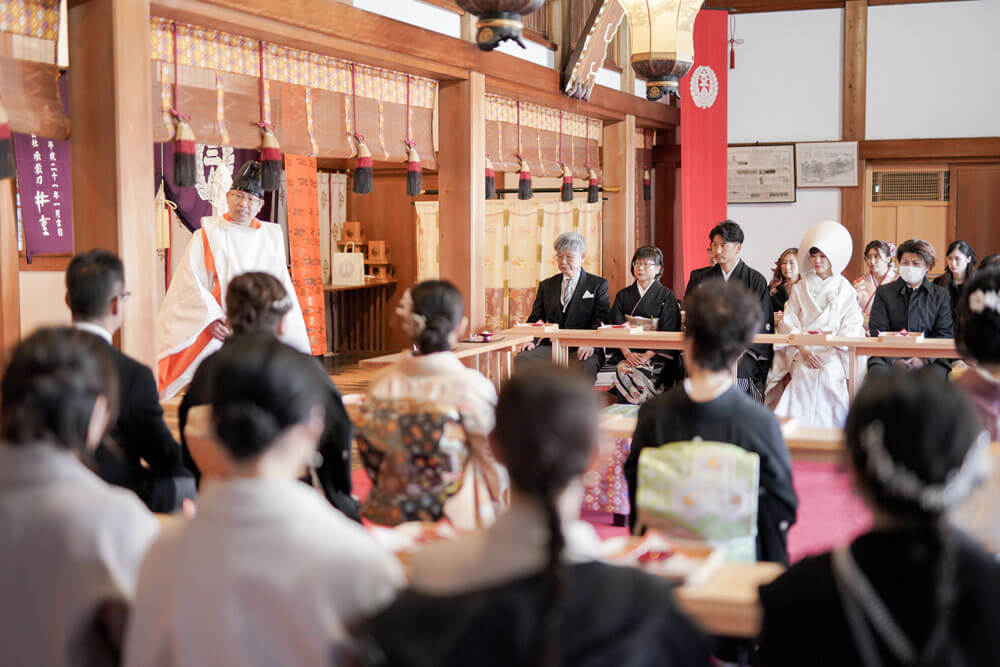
(911, 185)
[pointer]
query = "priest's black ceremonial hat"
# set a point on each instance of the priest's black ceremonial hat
(249, 179)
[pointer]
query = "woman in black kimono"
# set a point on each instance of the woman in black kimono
(642, 374)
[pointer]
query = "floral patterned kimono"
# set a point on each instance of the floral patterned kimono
(866, 286)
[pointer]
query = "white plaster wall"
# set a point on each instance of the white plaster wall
(609, 78)
(770, 228)
(787, 81)
(416, 13)
(932, 70)
(533, 52)
(43, 300)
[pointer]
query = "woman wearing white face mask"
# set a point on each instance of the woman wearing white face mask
(912, 303)
(815, 378)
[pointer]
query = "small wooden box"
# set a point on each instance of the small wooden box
(378, 251)
(354, 231)
(380, 271)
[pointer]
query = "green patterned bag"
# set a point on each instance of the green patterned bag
(701, 491)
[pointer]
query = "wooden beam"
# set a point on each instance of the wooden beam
(10, 281)
(462, 184)
(852, 205)
(343, 31)
(931, 149)
(618, 235)
(112, 151)
(755, 6)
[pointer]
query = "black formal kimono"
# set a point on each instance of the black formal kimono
(140, 436)
(735, 419)
(926, 309)
(588, 308)
(334, 474)
(954, 292)
(607, 615)
(756, 362)
(805, 621)
(659, 304)
(778, 300)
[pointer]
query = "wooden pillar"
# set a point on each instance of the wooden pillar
(462, 188)
(619, 209)
(852, 204)
(112, 151)
(10, 278)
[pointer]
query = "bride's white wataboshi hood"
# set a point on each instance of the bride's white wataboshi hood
(833, 239)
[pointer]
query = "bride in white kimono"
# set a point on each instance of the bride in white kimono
(814, 377)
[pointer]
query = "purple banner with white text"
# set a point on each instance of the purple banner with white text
(45, 188)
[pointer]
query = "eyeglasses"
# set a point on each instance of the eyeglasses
(244, 197)
(646, 265)
(123, 297)
(567, 257)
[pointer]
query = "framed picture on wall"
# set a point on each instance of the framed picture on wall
(761, 174)
(829, 164)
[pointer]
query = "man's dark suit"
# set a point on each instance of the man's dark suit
(588, 308)
(140, 435)
(754, 365)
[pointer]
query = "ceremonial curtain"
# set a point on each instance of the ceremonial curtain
(539, 129)
(308, 96)
(304, 246)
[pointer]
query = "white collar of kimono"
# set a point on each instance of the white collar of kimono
(642, 290)
(833, 239)
(726, 274)
(436, 363)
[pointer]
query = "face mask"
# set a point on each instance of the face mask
(912, 274)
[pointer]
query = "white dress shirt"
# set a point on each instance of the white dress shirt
(95, 329)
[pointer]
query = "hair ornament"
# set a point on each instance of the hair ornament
(282, 305)
(980, 300)
(413, 323)
(906, 485)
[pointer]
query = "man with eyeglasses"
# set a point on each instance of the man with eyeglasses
(192, 321)
(573, 299)
(726, 245)
(140, 453)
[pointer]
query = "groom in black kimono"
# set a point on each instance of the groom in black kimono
(573, 299)
(727, 243)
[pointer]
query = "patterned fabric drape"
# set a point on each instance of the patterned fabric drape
(540, 138)
(30, 18)
(427, 240)
(309, 95)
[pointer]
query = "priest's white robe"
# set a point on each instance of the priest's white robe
(69, 543)
(217, 253)
(267, 573)
(816, 396)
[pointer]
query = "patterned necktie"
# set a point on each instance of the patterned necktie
(565, 292)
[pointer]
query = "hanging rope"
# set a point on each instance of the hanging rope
(354, 107)
(175, 111)
(733, 42)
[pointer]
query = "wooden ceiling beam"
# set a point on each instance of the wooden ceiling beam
(343, 31)
(755, 6)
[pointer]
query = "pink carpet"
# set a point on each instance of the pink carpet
(829, 511)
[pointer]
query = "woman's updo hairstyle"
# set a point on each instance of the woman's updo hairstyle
(50, 385)
(255, 303)
(261, 388)
(977, 320)
(545, 434)
(882, 247)
(436, 311)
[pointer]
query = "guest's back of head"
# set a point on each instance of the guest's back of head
(92, 281)
(261, 388)
(977, 323)
(50, 388)
(256, 302)
(721, 318)
(432, 314)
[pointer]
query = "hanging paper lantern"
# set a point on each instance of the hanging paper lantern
(662, 42)
(499, 20)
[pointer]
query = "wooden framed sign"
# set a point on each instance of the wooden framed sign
(761, 174)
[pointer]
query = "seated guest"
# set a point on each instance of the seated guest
(642, 374)
(531, 589)
(785, 275)
(913, 590)
(432, 315)
(573, 299)
(977, 336)
(70, 545)
(960, 268)
(267, 573)
(880, 271)
(722, 319)
(815, 377)
(990, 260)
(727, 244)
(142, 455)
(256, 303)
(914, 304)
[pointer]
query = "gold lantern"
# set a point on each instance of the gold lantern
(499, 20)
(662, 42)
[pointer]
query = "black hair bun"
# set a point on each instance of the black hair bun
(246, 429)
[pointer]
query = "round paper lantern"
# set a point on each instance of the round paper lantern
(662, 42)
